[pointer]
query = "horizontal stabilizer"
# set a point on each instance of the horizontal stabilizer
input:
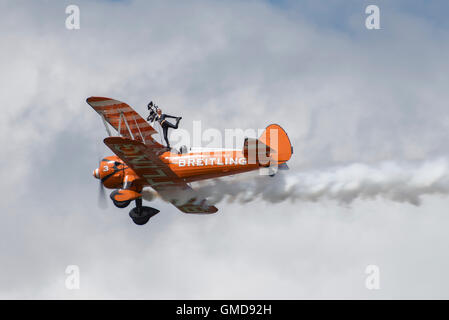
(283, 166)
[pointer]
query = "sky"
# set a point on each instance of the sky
(343, 93)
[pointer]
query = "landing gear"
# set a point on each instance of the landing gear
(141, 214)
(268, 171)
(121, 204)
(118, 204)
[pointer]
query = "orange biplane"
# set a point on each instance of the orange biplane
(140, 161)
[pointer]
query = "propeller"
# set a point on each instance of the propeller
(102, 202)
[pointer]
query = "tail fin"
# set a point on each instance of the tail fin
(277, 139)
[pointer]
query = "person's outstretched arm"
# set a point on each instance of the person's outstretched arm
(168, 116)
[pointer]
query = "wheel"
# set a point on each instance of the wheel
(121, 204)
(140, 221)
(142, 217)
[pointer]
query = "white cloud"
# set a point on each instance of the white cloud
(342, 94)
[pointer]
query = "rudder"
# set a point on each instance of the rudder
(277, 139)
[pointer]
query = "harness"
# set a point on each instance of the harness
(161, 122)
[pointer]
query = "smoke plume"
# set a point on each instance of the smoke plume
(388, 180)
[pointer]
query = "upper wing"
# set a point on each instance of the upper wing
(122, 118)
(144, 160)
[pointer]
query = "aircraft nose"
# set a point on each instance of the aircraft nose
(97, 173)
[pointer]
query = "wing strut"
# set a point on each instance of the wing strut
(122, 116)
(127, 125)
(119, 124)
(138, 128)
(105, 124)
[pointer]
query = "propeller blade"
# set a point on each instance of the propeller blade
(102, 201)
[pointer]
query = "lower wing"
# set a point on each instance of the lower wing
(145, 161)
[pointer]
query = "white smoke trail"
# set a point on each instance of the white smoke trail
(149, 195)
(389, 180)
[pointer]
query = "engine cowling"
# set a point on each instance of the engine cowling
(111, 172)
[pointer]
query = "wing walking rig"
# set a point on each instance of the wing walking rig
(140, 161)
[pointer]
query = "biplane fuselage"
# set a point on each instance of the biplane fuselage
(141, 161)
(196, 166)
(190, 167)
